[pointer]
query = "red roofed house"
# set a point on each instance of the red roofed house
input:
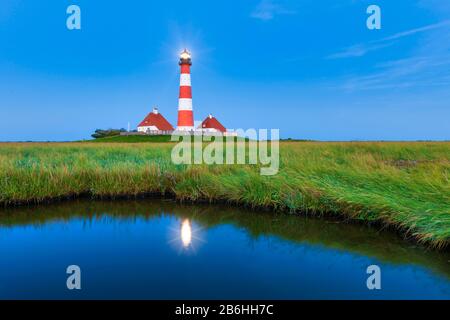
(155, 123)
(212, 125)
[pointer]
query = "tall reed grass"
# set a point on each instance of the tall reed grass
(405, 185)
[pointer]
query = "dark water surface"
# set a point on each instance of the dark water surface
(162, 250)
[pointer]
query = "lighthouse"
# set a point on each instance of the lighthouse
(185, 113)
(156, 124)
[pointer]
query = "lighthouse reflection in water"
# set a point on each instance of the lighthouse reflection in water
(186, 233)
(185, 236)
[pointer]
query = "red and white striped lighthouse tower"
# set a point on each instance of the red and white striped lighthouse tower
(185, 113)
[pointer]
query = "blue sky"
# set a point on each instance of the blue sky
(310, 68)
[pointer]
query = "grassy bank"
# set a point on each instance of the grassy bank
(405, 185)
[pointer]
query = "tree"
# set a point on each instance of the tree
(99, 133)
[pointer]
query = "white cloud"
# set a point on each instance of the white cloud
(267, 10)
(426, 66)
(417, 30)
(429, 71)
(361, 49)
(357, 50)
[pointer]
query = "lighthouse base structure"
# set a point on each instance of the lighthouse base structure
(185, 120)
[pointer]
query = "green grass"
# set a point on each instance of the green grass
(405, 185)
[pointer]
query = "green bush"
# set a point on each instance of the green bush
(99, 133)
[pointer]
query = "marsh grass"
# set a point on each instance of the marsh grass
(405, 185)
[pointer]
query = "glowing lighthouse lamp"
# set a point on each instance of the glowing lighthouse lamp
(185, 112)
(185, 55)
